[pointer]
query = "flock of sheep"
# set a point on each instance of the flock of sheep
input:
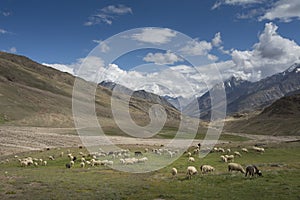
(251, 170)
(125, 158)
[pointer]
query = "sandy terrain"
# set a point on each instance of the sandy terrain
(19, 139)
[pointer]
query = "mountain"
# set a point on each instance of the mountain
(282, 117)
(35, 95)
(245, 96)
(142, 94)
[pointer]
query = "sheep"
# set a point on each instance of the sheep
(35, 164)
(174, 171)
(72, 163)
(245, 150)
(236, 167)
(189, 154)
(146, 150)
(44, 162)
(191, 159)
(68, 165)
(223, 158)
(142, 160)
(138, 153)
(228, 150)
(51, 158)
(258, 149)
(236, 153)
(82, 160)
(252, 170)
(229, 157)
(82, 164)
(191, 170)
(23, 163)
(221, 150)
(110, 163)
(206, 168)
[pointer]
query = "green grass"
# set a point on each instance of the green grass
(56, 182)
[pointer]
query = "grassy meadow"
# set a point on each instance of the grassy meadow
(280, 165)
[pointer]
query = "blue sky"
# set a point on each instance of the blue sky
(61, 33)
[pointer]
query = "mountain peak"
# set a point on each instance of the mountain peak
(294, 68)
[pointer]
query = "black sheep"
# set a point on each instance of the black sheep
(252, 170)
(68, 165)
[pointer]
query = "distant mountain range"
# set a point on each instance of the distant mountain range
(245, 96)
(142, 94)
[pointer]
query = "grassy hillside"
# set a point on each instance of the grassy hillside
(35, 95)
(281, 118)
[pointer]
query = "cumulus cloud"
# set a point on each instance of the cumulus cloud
(107, 14)
(196, 48)
(235, 2)
(272, 54)
(154, 35)
(162, 58)
(284, 10)
(217, 41)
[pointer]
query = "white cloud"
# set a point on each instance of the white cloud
(5, 13)
(119, 9)
(13, 50)
(235, 2)
(196, 48)
(162, 58)
(217, 41)
(154, 35)
(272, 54)
(2, 31)
(60, 67)
(284, 10)
(103, 46)
(107, 14)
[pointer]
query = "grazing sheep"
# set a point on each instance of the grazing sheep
(51, 158)
(44, 162)
(228, 150)
(223, 158)
(142, 160)
(174, 171)
(245, 150)
(235, 167)
(206, 168)
(138, 153)
(191, 170)
(82, 160)
(68, 165)
(258, 149)
(82, 164)
(74, 158)
(35, 164)
(72, 163)
(229, 157)
(191, 159)
(221, 150)
(146, 150)
(189, 154)
(23, 163)
(236, 153)
(252, 170)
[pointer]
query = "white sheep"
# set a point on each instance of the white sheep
(142, 160)
(82, 164)
(235, 167)
(236, 153)
(258, 149)
(51, 158)
(228, 150)
(174, 171)
(72, 163)
(189, 154)
(35, 164)
(191, 159)
(206, 168)
(191, 170)
(229, 157)
(223, 158)
(245, 150)
(44, 162)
